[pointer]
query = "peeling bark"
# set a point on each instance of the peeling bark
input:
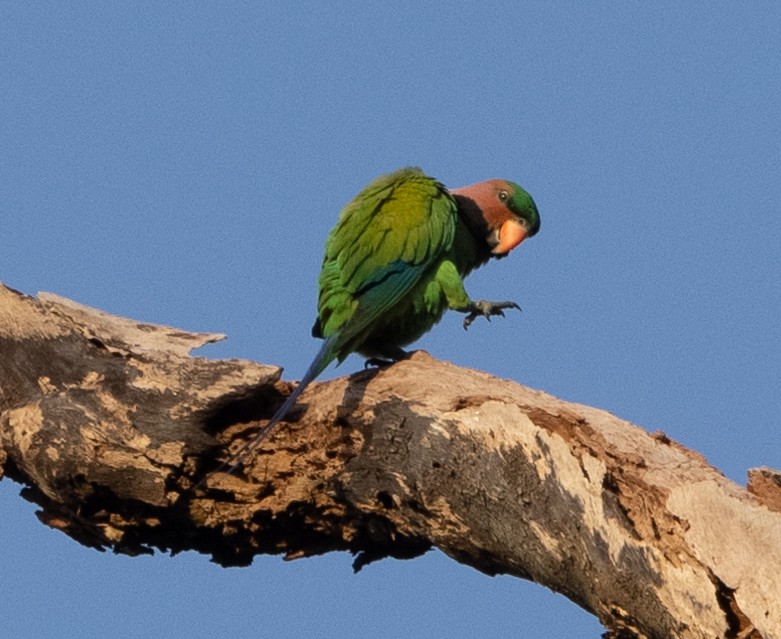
(113, 428)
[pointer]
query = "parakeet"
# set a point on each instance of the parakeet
(396, 260)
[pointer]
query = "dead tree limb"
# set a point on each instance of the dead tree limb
(110, 425)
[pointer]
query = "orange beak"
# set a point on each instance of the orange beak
(511, 235)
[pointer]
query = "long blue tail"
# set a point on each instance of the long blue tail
(321, 361)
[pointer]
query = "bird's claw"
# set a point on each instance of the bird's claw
(377, 362)
(388, 354)
(484, 308)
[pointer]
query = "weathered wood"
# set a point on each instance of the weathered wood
(111, 425)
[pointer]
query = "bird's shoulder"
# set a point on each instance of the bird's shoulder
(405, 217)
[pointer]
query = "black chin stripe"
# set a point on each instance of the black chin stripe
(472, 216)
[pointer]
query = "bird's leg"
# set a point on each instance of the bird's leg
(485, 309)
(388, 355)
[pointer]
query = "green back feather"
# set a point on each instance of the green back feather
(386, 239)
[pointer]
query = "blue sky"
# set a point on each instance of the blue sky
(182, 164)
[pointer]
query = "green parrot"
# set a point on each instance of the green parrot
(396, 260)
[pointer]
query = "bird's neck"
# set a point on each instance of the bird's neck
(470, 246)
(474, 219)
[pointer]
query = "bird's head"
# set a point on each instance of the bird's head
(500, 209)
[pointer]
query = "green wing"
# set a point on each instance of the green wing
(386, 239)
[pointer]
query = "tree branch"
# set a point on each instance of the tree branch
(111, 425)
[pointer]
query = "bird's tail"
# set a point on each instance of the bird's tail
(324, 357)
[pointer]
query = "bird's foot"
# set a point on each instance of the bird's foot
(388, 355)
(377, 362)
(484, 308)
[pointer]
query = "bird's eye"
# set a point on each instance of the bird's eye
(503, 195)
